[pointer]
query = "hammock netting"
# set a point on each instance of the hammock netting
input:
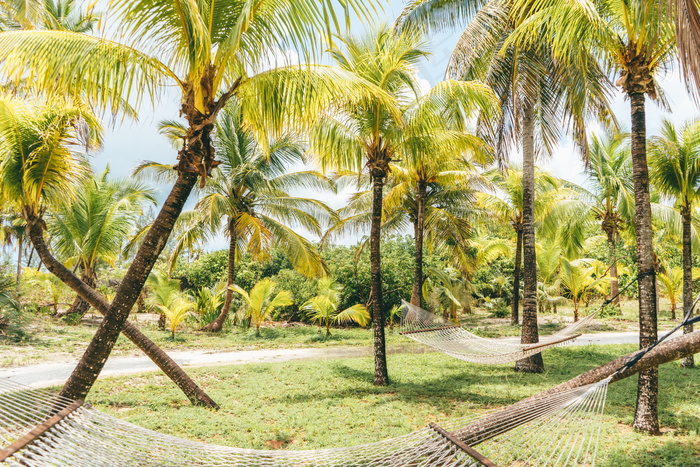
(558, 430)
(451, 339)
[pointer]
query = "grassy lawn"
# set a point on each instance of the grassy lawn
(310, 405)
(51, 339)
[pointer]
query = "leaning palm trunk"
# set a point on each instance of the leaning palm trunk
(381, 374)
(689, 361)
(514, 318)
(419, 228)
(530, 334)
(99, 349)
(646, 417)
(193, 392)
(218, 323)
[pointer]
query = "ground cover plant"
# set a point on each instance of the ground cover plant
(332, 403)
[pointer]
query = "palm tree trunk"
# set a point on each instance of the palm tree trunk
(646, 416)
(80, 305)
(97, 352)
(171, 369)
(381, 373)
(19, 260)
(530, 334)
(689, 361)
(218, 323)
(515, 304)
(418, 228)
(614, 283)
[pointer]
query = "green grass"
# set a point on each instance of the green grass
(50, 339)
(318, 404)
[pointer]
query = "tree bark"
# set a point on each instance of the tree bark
(19, 260)
(614, 282)
(515, 304)
(689, 361)
(530, 334)
(381, 373)
(97, 352)
(80, 305)
(646, 416)
(418, 228)
(218, 324)
(193, 392)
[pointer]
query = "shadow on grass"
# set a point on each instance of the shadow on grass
(670, 454)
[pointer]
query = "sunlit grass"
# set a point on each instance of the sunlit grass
(332, 403)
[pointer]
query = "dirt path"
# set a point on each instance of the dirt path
(52, 374)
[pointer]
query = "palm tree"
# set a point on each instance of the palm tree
(176, 313)
(508, 208)
(675, 172)
(211, 52)
(372, 135)
(92, 227)
(637, 40)
(437, 198)
(535, 92)
(38, 170)
(323, 308)
(579, 278)
(671, 281)
(260, 303)
(248, 194)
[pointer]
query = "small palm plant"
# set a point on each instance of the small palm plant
(208, 302)
(323, 308)
(176, 313)
(164, 292)
(260, 302)
(671, 282)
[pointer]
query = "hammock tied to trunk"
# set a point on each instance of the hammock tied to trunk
(451, 339)
(39, 428)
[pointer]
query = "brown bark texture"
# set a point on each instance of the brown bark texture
(515, 304)
(218, 324)
(193, 392)
(80, 305)
(530, 333)
(378, 174)
(689, 361)
(419, 227)
(646, 416)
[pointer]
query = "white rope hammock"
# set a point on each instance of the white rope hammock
(39, 428)
(451, 339)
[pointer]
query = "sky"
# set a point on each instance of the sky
(129, 143)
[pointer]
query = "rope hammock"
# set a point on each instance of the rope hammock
(39, 428)
(451, 339)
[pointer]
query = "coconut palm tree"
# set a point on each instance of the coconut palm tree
(579, 278)
(211, 52)
(176, 313)
(92, 227)
(38, 171)
(260, 303)
(248, 195)
(507, 207)
(371, 136)
(323, 308)
(535, 93)
(671, 282)
(436, 198)
(636, 39)
(675, 172)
